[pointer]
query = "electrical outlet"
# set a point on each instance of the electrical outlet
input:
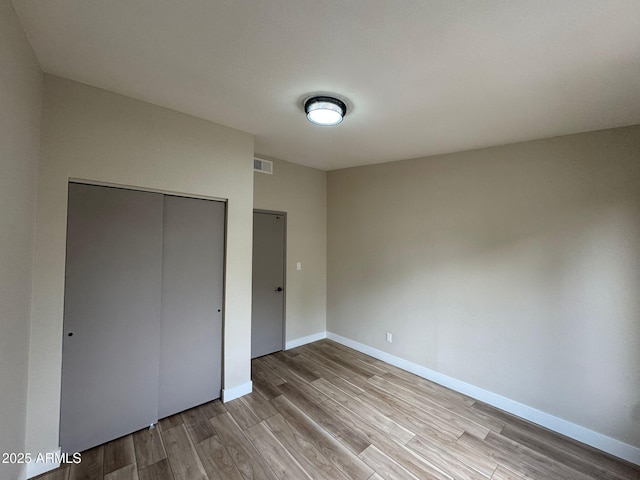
(389, 337)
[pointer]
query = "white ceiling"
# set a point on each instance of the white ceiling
(421, 77)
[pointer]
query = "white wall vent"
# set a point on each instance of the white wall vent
(264, 166)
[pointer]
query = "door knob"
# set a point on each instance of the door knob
(279, 289)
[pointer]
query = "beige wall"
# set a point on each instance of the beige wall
(302, 193)
(515, 269)
(20, 109)
(95, 135)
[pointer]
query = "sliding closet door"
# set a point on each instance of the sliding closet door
(192, 286)
(112, 311)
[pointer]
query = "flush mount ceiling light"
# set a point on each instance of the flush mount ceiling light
(325, 110)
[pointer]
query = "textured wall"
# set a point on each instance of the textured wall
(20, 111)
(514, 268)
(94, 135)
(302, 193)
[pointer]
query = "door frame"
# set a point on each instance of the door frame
(284, 271)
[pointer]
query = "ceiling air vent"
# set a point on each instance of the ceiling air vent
(264, 166)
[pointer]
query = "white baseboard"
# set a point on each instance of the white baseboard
(559, 425)
(37, 467)
(229, 394)
(304, 340)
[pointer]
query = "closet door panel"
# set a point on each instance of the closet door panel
(192, 292)
(111, 315)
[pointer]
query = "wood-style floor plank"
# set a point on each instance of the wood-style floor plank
(265, 389)
(337, 358)
(184, 461)
(521, 459)
(344, 385)
(259, 369)
(450, 403)
(326, 418)
(282, 463)
(170, 422)
(569, 452)
(335, 368)
(375, 433)
(324, 442)
(318, 368)
(281, 362)
(433, 409)
(60, 473)
(213, 409)
(91, 466)
(443, 460)
(275, 365)
(303, 450)
(327, 412)
(465, 455)
(216, 460)
(385, 466)
(119, 453)
(250, 463)
(560, 444)
(371, 416)
(243, 415)
(197, 423)
(261, 407)
(129, 472)
(156, 471)
(502, 473)
(148, 447)
(419, 466)
(432, 390)
(407, 414)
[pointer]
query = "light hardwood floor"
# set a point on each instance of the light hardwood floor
(328, 412)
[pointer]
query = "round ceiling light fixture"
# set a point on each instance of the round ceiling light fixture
(325, 110)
